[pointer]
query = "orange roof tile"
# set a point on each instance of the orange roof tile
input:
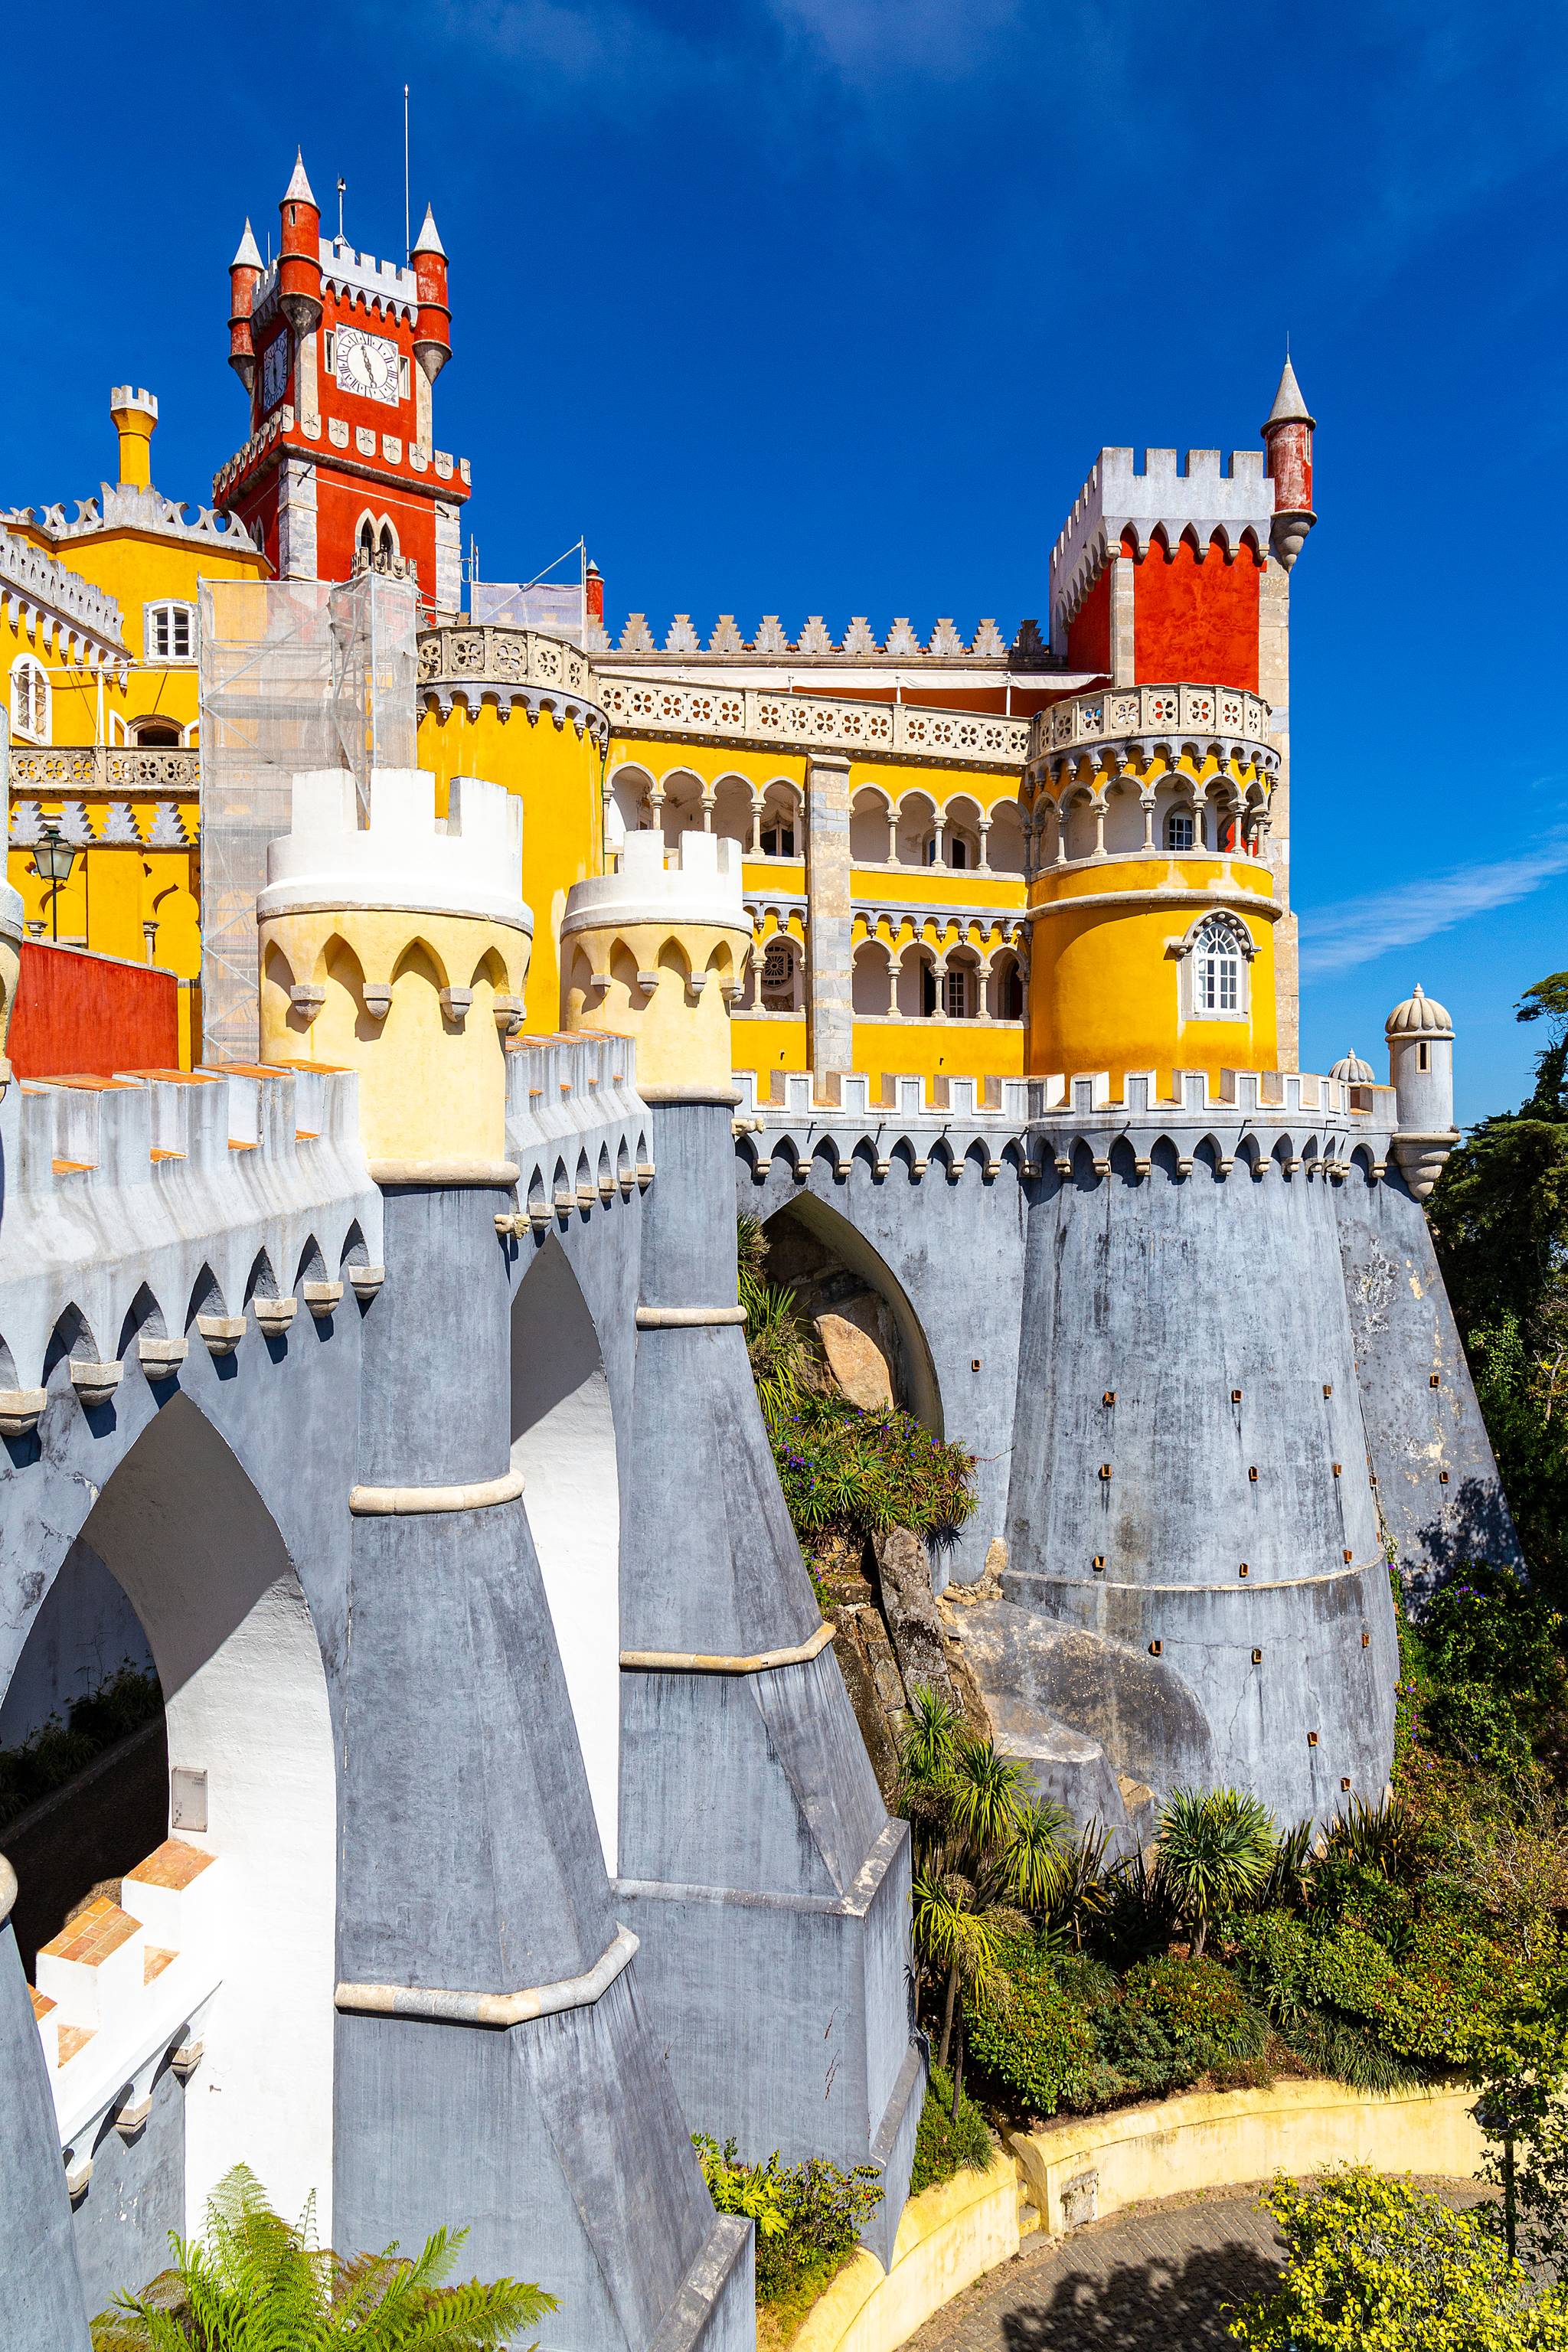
(73, 2038)
(93, 1935)
(154, 1960)
(42, 2004)
(175, 1864)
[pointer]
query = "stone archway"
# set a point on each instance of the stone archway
(871, 1332)
(188, 1538)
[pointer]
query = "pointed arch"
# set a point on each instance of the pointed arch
(836, 1240)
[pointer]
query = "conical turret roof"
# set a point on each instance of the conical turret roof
(299, 190)
(1288, 408)
(429, 237)
(249, 254)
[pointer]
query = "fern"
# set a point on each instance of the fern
(255, 2283)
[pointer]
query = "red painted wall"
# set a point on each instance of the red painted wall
(1089, 635)
(1196, 621)
(88, 1015)
(342, 499)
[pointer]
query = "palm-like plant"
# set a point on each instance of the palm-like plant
(256, 2283)
(984, 1851)
(1215, 1848)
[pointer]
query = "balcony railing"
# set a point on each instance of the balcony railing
(131, 772)
(1161, 713)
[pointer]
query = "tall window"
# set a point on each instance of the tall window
(1179, 829)
(31, 699)
(955, 993)
(170, 632)
(1218, 971)
(778, 838)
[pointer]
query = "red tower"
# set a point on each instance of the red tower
(1288, 437)
(339, 352)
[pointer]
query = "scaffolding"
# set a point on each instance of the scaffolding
(295, 675)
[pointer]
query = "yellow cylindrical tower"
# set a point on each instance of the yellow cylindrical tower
(1151, 908)
(656, 953)
(399, 948)
(134, 414)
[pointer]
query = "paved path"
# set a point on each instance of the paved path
(1152, 2280)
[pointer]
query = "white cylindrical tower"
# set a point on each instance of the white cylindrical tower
(1421, 1070)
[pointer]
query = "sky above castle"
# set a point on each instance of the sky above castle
(826, 306)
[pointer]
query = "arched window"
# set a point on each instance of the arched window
(155, 734)
(169, 632)
(367, 544)
(1179, 829)
(778, 975)
(29, 700)
(778, 837)
(386, 549)
(1220, 951)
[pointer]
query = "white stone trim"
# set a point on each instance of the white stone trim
(496, 2009)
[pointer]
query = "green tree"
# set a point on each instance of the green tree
(255, 2283)
(1376, 2265)
(1215, 1849)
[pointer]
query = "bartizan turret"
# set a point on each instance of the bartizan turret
(398, 947)
(1421, 1070)
(300, 254)
(749, 1822)
(243, 277)
(1288, 437)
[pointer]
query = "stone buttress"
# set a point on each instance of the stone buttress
(493, 2061)
(768, 1884)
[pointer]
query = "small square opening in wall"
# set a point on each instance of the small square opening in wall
(974, 1363)
(1109, 1397)
(1345, 1788)
(1100, 1563)
(1435, 1380)
(1105, 1469)
(1366, 1639)
(1235, 1396)
(1442, 1478)
(1348, 1557)
(1339, 1469)
(1252, 1474)
(188, 1799)
(1312, 1738)
(1257, 1657)
(1156, 1649)
(1244, 1570)
(1328, 1387)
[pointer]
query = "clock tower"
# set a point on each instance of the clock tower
(340, 354)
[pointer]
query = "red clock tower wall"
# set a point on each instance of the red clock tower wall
(340, 352)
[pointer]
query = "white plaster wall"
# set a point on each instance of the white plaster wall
(564, 1442)
(85, 1630)
(191, 1542)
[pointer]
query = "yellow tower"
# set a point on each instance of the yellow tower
(399, 948)
(1151, 904)
(656, 953)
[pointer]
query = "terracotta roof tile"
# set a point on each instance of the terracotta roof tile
(174, 1864)
(93, 1935)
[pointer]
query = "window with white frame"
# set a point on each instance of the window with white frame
(170, 632)
(29, 700)
(1179, 829)
(956, 991)
(1217, 960)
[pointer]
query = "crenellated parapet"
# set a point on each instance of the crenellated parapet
(576, 1128)
(160, 1211)
(1260, 1124)
(399, 947)
(657, 952)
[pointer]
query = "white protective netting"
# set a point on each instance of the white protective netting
(295, 674)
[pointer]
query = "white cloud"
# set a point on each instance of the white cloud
(1360, 928)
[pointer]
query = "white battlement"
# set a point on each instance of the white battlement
(403, 857)
(121, 1987)
(1261, 1119)
(1162, 495)
(159, 1210)
(576, 1125)
(701, 884)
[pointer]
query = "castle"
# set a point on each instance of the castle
(403, 999)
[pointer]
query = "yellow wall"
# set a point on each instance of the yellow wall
(556, 773)
(1105, 989)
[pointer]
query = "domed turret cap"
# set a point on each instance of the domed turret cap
(1420, 1015)
(1353, 1071)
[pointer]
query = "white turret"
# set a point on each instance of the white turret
(1421, 1070)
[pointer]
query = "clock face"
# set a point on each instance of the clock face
(367, 365)
(275, 370)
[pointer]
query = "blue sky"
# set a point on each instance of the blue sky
(799, 306)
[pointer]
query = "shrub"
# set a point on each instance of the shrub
(1177, 2019)
(1373, 2263)
(58, 1751)
(808, 2216)
(1041, 2040)
(946, 2143)
(868, 1472)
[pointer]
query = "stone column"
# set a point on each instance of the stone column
(758, 1864)
(1123, 662)
(829, 996)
